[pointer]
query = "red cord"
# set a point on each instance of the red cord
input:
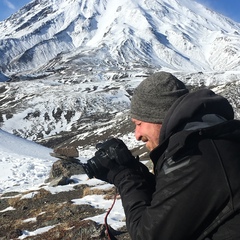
(110, 235)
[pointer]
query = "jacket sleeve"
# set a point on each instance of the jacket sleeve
(188, 196)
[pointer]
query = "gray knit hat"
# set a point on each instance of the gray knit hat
(154, 96)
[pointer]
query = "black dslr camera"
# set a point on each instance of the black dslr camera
(113, 150)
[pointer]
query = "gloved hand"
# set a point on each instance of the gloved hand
(112, 157)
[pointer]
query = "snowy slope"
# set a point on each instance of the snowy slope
(178, 35)
(23, 163)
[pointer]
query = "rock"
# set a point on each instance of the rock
(63, 169)
(61, 181)
(15, 234)
(68, 152)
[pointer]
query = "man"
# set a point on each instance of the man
(194, 141)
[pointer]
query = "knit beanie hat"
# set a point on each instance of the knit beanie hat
(154, 96)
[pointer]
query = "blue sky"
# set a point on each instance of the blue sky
(229, 8)
(8, 7)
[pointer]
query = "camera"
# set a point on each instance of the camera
(93, 167)
(111, 150)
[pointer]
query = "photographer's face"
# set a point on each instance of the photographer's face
(147, 132)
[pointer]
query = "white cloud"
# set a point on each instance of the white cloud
(9, 4)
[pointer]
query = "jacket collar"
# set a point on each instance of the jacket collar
(170, 146)
(188, 107)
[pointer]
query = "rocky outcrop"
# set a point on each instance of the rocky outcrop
(55, 213)
(67, 166)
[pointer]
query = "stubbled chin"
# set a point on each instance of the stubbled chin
(149, 147)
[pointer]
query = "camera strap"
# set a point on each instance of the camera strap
(109, 233)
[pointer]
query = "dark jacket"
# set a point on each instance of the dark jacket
(196, 191)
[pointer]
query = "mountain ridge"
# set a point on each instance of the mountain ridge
(174, 35)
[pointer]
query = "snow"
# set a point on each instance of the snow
(36, 232)
(7, 209)
(116, 218)
(25, 166)
(34, 219)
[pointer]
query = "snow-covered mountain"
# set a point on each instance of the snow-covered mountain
(83, 34)
(73, 64)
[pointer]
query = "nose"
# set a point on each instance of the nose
(138, 135)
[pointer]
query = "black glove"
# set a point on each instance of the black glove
(116, 150)
(112, 157)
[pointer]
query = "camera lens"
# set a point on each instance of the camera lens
(93, 168)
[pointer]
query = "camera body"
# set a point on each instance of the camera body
(111, 150)
(93, 167)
